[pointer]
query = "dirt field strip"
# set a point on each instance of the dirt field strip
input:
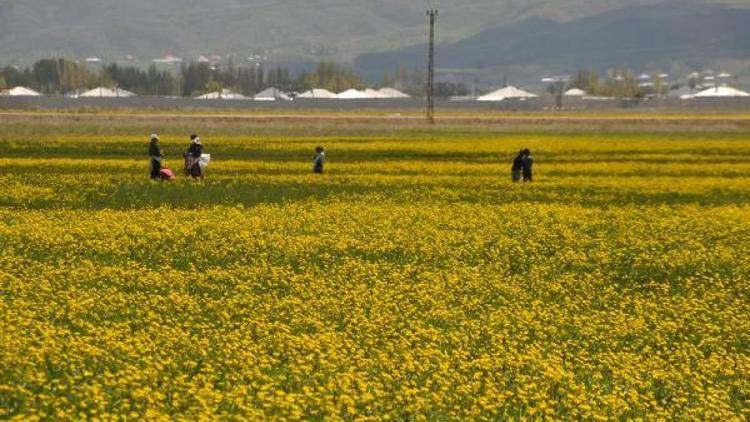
(525, 119)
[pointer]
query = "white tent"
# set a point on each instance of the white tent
(722, 92)
(271, 94)
(506, 93)
(108, 93)
(317, 93)
(374, 93)
(21, 91)
(352, 94)
(392, 93)
(224, 94)
(575, 92)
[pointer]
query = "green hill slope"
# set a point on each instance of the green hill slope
(292, 29)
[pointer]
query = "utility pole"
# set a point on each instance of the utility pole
(431, 69)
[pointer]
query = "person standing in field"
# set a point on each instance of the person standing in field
(156, 154)
(527, 166)
(192, 155)
(319, 160)
(515, 172)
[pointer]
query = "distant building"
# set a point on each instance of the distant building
(507, 93)
(352, 94)
(318, 93)
(102, 92)
(20, 91)
(392, 93)
(722, 92)
(224, 94)
(575, 92)
(271, 94)
(168, 60)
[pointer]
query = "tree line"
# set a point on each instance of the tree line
(63, 77)
(618, 83)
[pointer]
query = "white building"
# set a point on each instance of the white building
(20, 91)
(271, 94)
(318, 93)
(102, 92)
(374, 93)
(575, 92)
(352, 94)
(507, 93)
(224, 94)
(169, 60)
(722, 92)
(392, 93)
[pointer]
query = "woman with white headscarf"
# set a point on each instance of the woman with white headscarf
(192, 155)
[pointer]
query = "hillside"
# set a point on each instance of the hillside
(298, 29)
(638, 37)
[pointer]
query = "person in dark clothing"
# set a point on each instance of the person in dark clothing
(319, 160)
(156, 154)
(192, 155)
(527, 166)
(515, 172)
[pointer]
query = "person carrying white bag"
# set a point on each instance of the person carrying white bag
(195, 160)
(204, 161)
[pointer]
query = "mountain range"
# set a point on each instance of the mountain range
(380, 34)
(641, 37)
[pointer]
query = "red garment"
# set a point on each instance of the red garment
(167, 174)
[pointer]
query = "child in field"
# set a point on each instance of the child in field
(156, 154)
(319, 160)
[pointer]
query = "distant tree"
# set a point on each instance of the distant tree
(402, 78)
(129, 78)
(247, 81)
(195, 78)
(105, 79)
(260, 78)
(229, 76)
(330, 76)
(3, 84)
(622, 83)
(214, 86)
(449, 89)
(417, 83)
(57, 76)
(587, 81)
(46, 76)
(161, 82)
(658, 88)
(387, 80)
(279, 78)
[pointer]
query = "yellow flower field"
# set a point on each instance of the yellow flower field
(412, 281)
